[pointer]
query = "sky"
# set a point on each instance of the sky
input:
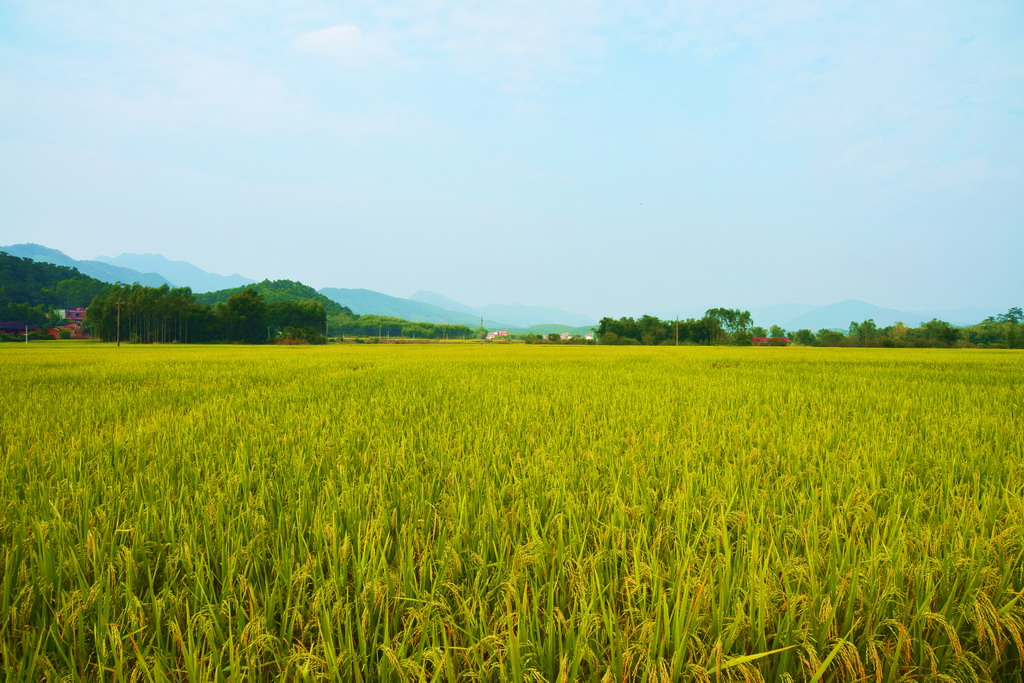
(609, 158)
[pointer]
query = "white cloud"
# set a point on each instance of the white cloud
(346, 44)
(903, 94)
(185, 93)
(514, 45)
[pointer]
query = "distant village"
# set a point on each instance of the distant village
(564, 336)
(69, 326)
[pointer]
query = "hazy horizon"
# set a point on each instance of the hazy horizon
(601, 157)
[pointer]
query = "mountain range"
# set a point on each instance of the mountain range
(369, 302)
(517, 315)
(430, 307)
(181, 273)
(105, 272)
(840, 315)
(154, 270)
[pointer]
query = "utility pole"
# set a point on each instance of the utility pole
(26, 333)
(677, 330)
(118, 323)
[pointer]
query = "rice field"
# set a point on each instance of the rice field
(510, 513)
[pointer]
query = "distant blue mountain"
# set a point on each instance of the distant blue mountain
(766, 316)
(840, 315)
(181, 273)
(517, 315)
(369, 302)
(434, 308)
(103, 272)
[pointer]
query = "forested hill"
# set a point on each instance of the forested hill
(274, 291)
(104, 272)
(24, 281)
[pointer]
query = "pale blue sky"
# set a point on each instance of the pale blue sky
(605, 157)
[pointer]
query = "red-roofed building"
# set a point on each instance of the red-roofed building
(74, 331)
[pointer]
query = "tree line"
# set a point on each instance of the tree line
(717, 326)
(735, 327)
(382, 326)
(137, 313)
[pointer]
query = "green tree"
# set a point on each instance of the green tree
(898, 332)
(244, 317)
(803, 337)
(1014, 315)
(777, 331)
(939, 331)
(865, 332)
(730, 319)
(652, 330)
(35, 316)
(1014, 338)
(416, 330)
(299, 314)
(830, 338)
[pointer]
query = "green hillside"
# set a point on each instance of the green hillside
(104, 272)
(24, 281)
(274, 291)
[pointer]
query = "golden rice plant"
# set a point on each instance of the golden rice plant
(510, 513)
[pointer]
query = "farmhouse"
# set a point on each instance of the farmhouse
(74, 330)
(497, 333)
